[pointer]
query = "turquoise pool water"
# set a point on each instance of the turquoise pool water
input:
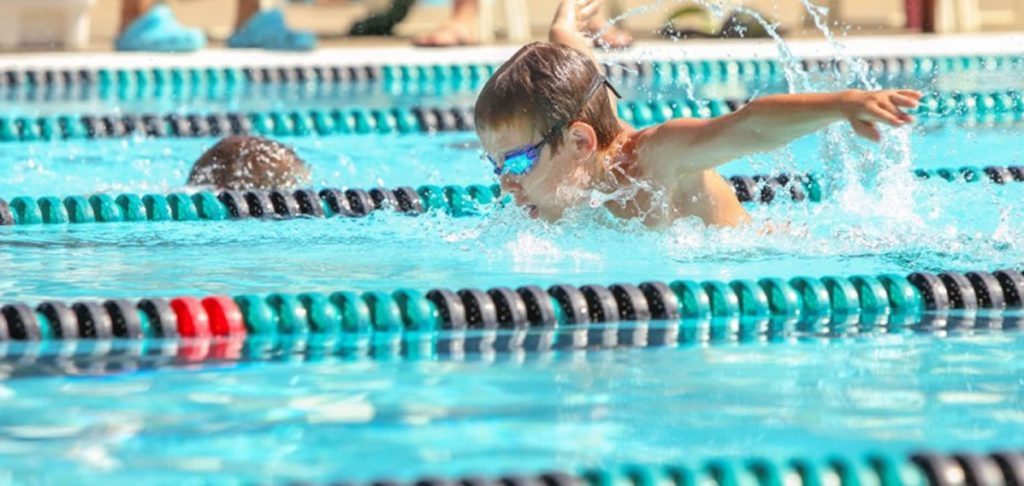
(929, 231)
(631, 393)
(359, 418)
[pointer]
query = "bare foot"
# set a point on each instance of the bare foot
(454, 32)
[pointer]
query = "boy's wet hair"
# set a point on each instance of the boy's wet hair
(542, 85)
(247, 162)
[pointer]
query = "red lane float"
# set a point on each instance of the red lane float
(193, 321)
(224, 315)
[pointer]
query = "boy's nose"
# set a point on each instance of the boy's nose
(508, 185)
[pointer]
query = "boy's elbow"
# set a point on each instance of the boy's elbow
(743, 131)
(558, 35)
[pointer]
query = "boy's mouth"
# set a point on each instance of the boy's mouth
(533, 211)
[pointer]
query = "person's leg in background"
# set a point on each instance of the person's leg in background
(383, 23)
(260, 24)
(459, 30)
(244, 11)
(133, 9)
(149, 25)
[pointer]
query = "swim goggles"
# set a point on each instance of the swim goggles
(520, 161)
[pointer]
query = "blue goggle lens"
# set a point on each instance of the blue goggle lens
(517, 162)
(518, 165)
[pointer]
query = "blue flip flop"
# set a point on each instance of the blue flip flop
(157, 30)
(267, 30)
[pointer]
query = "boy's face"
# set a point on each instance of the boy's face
(552, 185)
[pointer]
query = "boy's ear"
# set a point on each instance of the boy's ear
(582, 138)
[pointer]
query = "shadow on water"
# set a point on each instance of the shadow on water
(113, 357)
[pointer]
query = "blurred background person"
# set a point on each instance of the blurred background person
(462, 29)
(149, 25)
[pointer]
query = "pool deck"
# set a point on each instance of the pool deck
(355, 54)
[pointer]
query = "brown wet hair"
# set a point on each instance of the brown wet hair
(542, 84)
(246, 162)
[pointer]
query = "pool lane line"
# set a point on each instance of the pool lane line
(1006, 104)
(649, 69)
(457, 201)
(925, 468)
(346, 313)
(796, 186)
(315, 122)
(216, 94)
(101, 355)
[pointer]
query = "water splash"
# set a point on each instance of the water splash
(857, 173)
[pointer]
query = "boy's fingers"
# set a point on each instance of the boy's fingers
(904, 118)
(886, 115)
(893, 106)
(564, 12)
(588, 10)
(866, 130)
(588, 5)
(909, 93)
(904, 101)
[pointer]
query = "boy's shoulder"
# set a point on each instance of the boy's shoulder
(642, 144)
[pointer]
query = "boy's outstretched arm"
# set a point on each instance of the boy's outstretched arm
(766, 123)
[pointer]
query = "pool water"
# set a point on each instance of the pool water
(363, 418)
(632, 393)
(388, 250)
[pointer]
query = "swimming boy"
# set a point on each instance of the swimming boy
(548, 125)
(245, 162)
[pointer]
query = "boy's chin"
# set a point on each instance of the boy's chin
(532, 211)
(548, 214)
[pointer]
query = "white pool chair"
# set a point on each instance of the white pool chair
(969, 16)
(847, 12)
(517, 20)
(44, 23)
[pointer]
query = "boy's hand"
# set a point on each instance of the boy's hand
(865, 108)
(571, 18)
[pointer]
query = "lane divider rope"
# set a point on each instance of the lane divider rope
(530, 306)
(214, 94)
(915, 469)
(765, 188)
(416, 119)
(702, 70)
(458, 201)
